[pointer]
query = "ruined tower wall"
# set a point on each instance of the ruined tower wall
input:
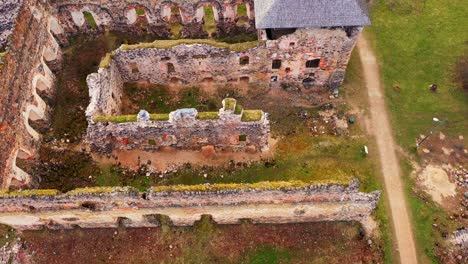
(183, 131)
(102, 207)
(23, 76)
(157, 17)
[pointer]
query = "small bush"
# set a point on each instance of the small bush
(151, 142)
(242, 138)
(251, 115)
(208, 115)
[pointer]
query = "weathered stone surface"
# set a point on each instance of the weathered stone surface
(315, 203)
(183, 130)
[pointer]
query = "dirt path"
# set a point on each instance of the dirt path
(389, 163)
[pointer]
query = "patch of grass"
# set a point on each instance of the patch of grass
(159, 117)
(418, 44)
(263, 185)
(251, 115)
(140, 11)
(90, 19)
(29, 193)
(7, 234)
(167, 44)
(241, 10)
(209, 24)
(175, 29)
(269, 255)
(106, 60)
(208, 115)
(229, 104)
(116, 119)
(101, 190)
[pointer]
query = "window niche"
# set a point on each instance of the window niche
(244, 60)
(313, 63)
(276, 64)
(170, 68)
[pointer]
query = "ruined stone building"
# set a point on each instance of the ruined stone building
(300, 42)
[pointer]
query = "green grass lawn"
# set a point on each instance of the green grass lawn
(418, 44)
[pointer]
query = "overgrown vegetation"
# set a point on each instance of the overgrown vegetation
(208, 115)
(251, 115)
(209, 23)
(167, 44)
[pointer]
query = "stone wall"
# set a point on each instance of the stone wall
(8, 12)
(157, 17)
(183, 130)
(26, 78)
(124, 206)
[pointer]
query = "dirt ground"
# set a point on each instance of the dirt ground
(322, 242)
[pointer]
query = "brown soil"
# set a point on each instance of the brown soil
(169, 158)
(326, 242)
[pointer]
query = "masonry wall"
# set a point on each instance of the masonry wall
(182, 131)
(24, 78)
(130, 208)
(121, 16)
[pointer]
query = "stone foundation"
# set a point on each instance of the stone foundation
(104, 207)
(183, 130)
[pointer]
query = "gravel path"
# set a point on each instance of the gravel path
(389, 163)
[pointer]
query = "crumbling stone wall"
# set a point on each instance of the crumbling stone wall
(8, 12)
(23, 76)
(157, 17)
(124, 206)
(183, 131)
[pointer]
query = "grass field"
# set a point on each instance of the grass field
(419, 43)
(206, 242)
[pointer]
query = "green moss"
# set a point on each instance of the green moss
(175, 29)
(106, 60)
(27, 193)
(207, 115)
(140, 11)
(100, 190)
(263, 185)
(90, 19)
(241, 10)
(251, 115)
(159, 117)
(167, 44)
(238, 110)
(229, 104)
(242, 138)
(116, 119)
(209, 20)
(151, 142)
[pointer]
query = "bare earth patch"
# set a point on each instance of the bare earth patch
(436, 182)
